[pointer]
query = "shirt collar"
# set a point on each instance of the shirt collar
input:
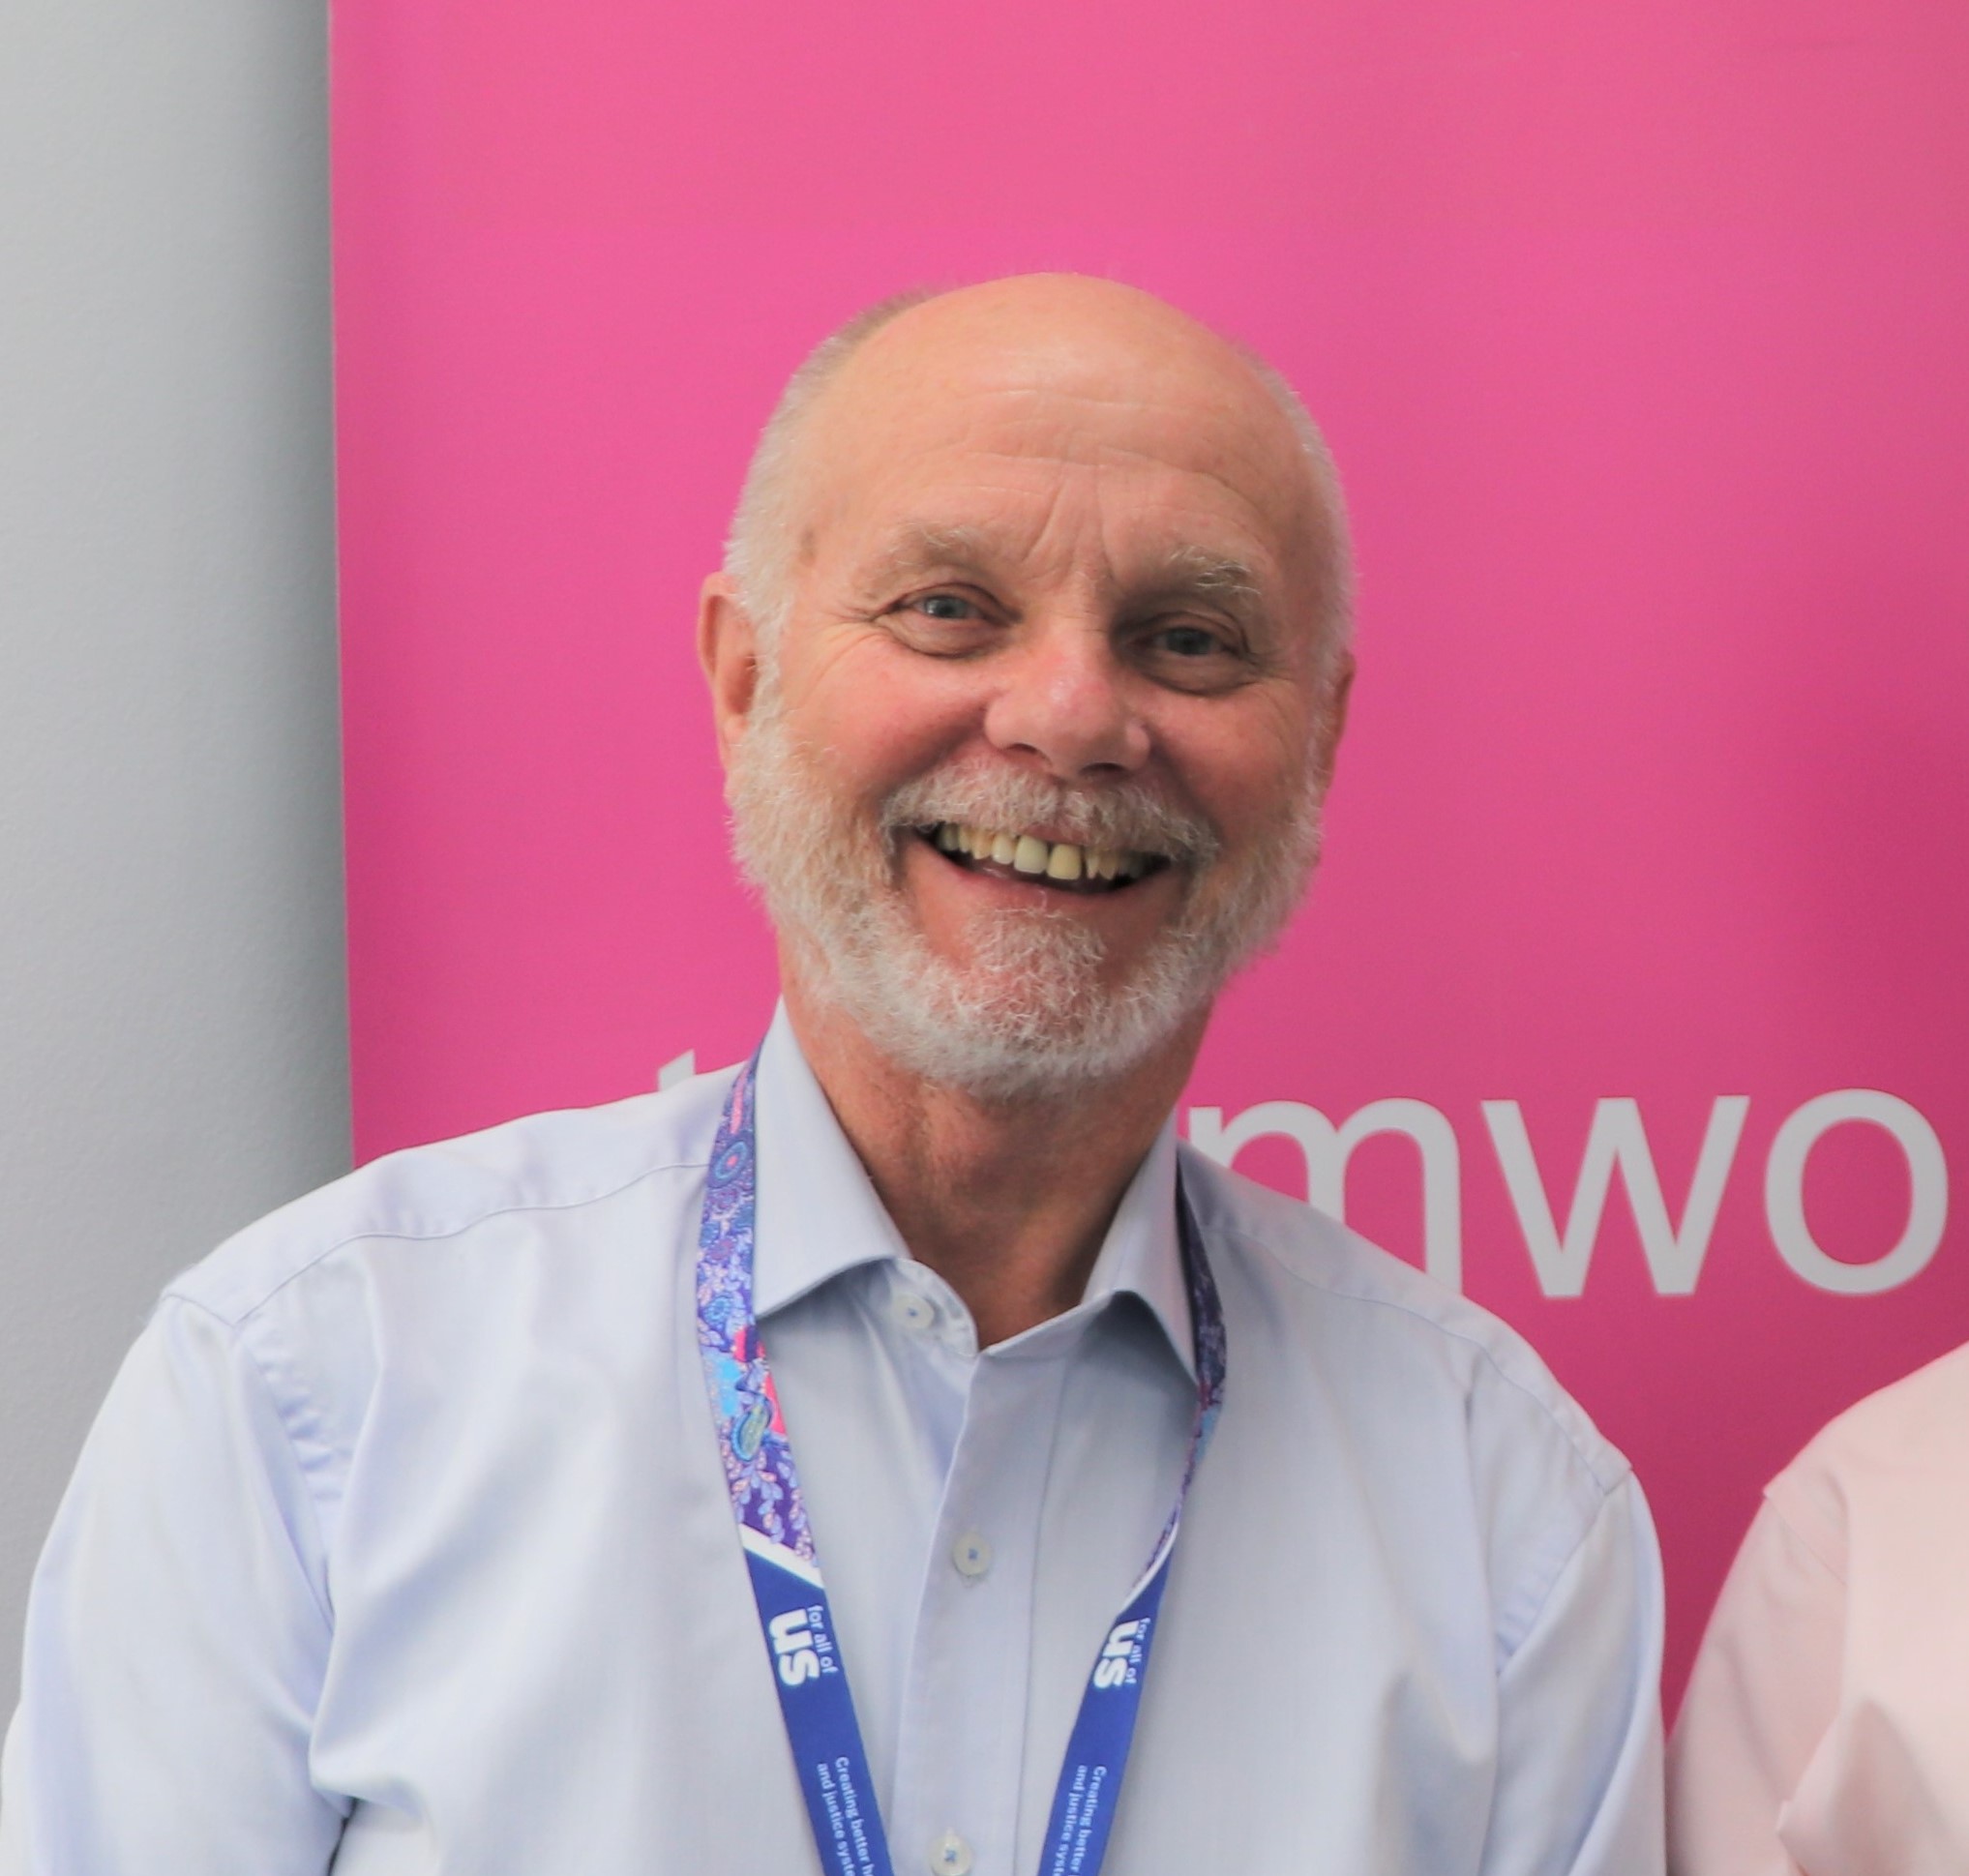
(818, 1214)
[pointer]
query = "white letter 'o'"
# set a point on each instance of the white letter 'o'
(1927, 1211)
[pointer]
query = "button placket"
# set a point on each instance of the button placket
(960, 1750)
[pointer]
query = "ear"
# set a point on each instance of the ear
(728, 649)
(1332, 723)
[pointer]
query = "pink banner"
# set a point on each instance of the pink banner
(1633, 995)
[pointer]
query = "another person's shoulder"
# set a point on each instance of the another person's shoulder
(1919, 1418)
(1894, 1461)
(1400, 1339)
(559, 1171)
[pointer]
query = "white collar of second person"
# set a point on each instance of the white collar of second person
(818, 1212)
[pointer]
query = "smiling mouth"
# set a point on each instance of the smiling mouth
(1026, 857)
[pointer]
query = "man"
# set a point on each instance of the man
(1827, 1723)
(450, 1519)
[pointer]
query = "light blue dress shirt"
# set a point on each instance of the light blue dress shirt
(402, 1544)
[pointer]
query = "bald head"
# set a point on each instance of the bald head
(915, 372)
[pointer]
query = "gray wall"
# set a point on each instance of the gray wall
(172, 1051)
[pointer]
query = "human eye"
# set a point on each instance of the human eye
(1194, 655)
(950, 608)
(942, 621)
(1188, 641)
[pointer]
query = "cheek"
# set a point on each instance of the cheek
(1249, 768)
(881, 716)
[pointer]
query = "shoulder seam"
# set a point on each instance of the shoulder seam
(430, 1235)
(243, 1349)
(1485, 1354)
(1564, 1563)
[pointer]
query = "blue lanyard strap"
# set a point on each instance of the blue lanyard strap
(793, 1613)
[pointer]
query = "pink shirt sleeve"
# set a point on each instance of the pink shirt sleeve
(1825, 1729)
(1762, 1698)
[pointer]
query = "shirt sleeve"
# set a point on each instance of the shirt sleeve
(177, 1634)
(1763, 1693)
(1579, 1723)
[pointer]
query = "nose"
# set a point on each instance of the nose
(1066, 701)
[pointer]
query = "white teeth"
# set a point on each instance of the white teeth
(949, 837)
(977, 843)
(1064, 863)
(1006, 849)
(1101, 864)
(1029, 855)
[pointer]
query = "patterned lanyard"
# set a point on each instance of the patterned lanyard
(793, 1614)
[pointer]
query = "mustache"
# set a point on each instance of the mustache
(1116, 815)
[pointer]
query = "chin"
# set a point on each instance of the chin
(1026, 1015)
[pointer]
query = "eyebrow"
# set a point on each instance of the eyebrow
(1186, 571)
(1208, 575)
(918, 547)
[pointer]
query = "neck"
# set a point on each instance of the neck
(1008, 1202)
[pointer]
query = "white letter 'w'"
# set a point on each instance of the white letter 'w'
(1674, 1256)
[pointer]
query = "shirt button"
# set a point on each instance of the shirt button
(972, 1557)
(950, 1855)
(913, 1312)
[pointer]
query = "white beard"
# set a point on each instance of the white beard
(1028, 1011)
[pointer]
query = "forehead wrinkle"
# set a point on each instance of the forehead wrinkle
(1109, 457)
(1039, 457)
(1095, 421)
(1238, 463)
(1223, 476)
